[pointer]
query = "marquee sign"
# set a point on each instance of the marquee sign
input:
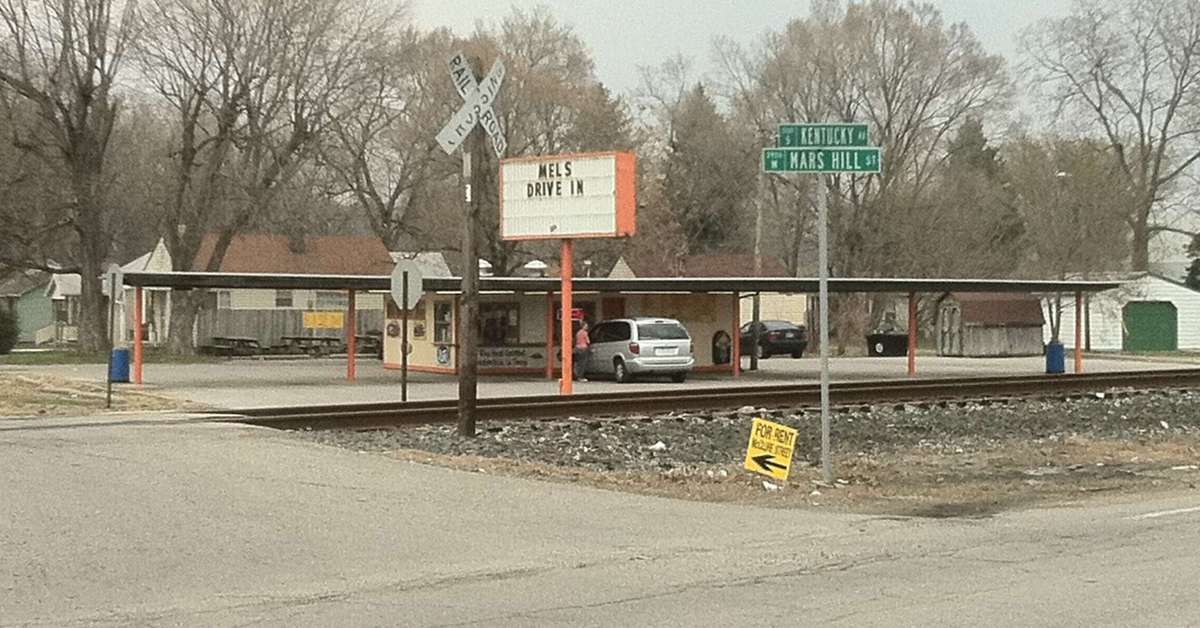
(560, 197)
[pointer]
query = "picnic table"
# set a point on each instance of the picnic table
(232, 346)
(316, 346)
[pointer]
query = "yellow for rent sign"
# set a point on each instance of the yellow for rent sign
(770, 449)
(324, 320)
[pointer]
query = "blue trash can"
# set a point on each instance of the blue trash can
(1056, 358)
(120, 366)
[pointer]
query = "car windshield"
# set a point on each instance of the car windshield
(778, 325)
(661, 331)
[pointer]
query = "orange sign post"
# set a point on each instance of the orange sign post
(568, 197)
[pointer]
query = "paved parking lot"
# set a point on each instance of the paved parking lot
(250, 383)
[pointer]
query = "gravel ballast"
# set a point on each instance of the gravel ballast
(687, 442)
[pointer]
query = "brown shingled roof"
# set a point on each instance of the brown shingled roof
(319, 255)
(985, 308)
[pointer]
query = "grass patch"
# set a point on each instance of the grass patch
(51, 396)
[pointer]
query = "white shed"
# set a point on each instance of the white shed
(1147, 313)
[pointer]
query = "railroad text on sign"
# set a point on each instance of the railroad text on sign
(770, 449)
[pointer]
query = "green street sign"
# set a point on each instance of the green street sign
(822, 160)
(822, 135)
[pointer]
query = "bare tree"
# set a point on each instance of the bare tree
(1131, 70)
(1073, 204)
(59, 62)
(253, 84)
(897, 67)
(382, 152)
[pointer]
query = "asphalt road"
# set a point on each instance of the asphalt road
(203, 525)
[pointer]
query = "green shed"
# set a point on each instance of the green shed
(1150, 326)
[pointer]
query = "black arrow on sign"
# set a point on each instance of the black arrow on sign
(766, 461)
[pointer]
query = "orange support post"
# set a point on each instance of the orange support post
(912, 334)
(351, 338)
(1079, 332)
(565, 383)
(549, 335)
(138, 355)
(735, 354)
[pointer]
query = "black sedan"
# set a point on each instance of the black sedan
(775, 337)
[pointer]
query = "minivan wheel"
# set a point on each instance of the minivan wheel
(620, 371)
(678, 378)
(797, 354)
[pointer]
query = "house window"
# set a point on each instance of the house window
(224, 300)
(499, 324)
(283, 298)
(331, 300)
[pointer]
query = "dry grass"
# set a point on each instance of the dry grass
(909, 483)
(29, 395)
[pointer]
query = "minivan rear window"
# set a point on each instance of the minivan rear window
(661, 331)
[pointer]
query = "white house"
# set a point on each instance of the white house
(1147, 313)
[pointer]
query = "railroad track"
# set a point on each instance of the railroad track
(365, 416)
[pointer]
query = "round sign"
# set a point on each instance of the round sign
(415, 283)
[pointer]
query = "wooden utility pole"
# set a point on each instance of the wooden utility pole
(468, 315)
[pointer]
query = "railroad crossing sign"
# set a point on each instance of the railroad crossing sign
(476, 108)
(769, 451)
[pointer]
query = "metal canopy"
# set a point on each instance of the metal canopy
(185, 280)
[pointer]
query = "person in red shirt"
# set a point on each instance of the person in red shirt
(583, 350)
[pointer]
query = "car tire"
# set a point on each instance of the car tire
(679, 378)
(797, 354)
(620, 371)
(760, 353)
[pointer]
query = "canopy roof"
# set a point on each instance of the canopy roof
(651, 285)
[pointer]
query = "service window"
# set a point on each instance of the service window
(499, 324)
(283, 298)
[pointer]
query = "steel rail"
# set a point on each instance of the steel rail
(363, 416)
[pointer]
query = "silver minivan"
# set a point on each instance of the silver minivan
(626, 347)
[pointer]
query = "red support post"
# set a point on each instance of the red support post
(549, 335)
(1078, 332)
(912, 334)
(735, 354)
(138, 355)
(351, 338)
(565, 383)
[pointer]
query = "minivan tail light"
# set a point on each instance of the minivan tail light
(692, 347)
(634, 348)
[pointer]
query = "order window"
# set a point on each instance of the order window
(499, 324)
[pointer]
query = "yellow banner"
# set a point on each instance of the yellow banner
(769, 451)
(324, 320)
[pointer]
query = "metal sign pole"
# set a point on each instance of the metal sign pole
(823, 299)
(112, 304)
(566, 318)
(468, 326)
(404, 341)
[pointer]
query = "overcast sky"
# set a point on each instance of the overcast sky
(624, 34)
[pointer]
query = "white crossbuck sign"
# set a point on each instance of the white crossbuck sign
(476, 108)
